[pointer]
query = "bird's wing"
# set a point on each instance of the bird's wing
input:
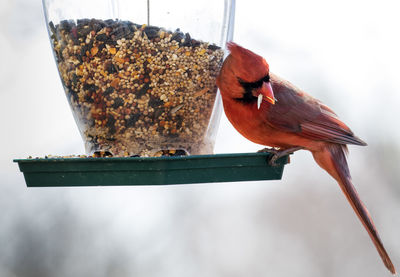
(295, 111)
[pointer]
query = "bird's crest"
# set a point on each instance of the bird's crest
(252, 66)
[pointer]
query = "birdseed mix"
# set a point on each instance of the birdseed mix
(137, 89)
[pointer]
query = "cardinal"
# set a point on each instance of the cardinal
(270, 111)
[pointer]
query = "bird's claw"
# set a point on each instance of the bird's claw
(277, 154)
(273, 159)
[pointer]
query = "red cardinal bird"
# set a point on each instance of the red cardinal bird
(271, 111)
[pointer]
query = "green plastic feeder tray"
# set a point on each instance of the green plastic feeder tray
(61, 172)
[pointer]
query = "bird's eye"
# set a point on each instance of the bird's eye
(266, 78)
(256, 84)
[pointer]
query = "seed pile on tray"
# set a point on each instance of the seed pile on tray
(137, 89)
(102, 154)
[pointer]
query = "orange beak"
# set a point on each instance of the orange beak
(265, 92)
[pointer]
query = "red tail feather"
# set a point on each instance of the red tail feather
(333, 160)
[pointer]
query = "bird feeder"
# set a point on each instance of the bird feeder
(140, 80)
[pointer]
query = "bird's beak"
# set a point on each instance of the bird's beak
(265, 92)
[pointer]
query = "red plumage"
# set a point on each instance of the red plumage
(287, 118)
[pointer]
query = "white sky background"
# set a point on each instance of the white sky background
(344, 52)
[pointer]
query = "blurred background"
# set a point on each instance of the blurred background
(345, 52)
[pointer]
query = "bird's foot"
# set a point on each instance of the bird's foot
(268, 150)
(278, 153)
